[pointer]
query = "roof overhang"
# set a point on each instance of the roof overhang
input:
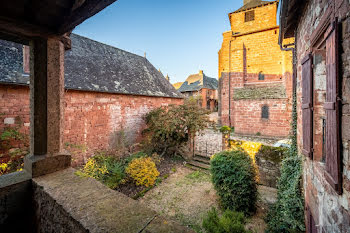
(21, 20)
(289, 16)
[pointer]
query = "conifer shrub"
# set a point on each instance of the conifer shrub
(234, 179)
(229, 222)
(143, 171)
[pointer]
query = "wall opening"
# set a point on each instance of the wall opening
(249, 16)
(265, 112)
(261, 76)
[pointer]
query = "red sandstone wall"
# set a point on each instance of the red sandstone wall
(245, 115)
(91, 118)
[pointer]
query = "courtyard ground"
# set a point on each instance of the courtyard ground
(186, 196)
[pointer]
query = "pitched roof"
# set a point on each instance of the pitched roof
(195, 82)
(93, 66)
(177, 85)
(253, 4)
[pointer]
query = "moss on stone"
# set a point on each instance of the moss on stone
(273, 154)
(271, 92)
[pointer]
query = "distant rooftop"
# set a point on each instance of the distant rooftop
(195, 82)
(93, 66)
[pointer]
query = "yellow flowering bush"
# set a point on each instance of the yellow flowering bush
(95, 170)
(105, 169)
(143, 171)
(11, 166)
(3, 168)
(251, 148)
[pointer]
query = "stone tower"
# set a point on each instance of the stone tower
(250, 62)
(246, 2)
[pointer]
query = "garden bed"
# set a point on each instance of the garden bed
(165, 167)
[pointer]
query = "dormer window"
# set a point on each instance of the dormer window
(249, 16)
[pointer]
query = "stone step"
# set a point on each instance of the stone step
(202, 159)
(199, 165)
(197, 168)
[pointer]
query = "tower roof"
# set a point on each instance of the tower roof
(253, 4)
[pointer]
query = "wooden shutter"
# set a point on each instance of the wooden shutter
(307, 105)
(310, 222)
(331, 106)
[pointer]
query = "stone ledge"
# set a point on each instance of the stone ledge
(14, 178)
(38, 165)
(86, 205)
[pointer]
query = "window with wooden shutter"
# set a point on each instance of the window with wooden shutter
(307, 105)
(331, 107)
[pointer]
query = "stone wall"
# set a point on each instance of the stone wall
(16, 209)
(330, 210)
(92, 120)
(246, 105)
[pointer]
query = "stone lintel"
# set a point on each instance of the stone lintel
(38, 165)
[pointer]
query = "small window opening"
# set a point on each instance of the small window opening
(261, 76)
(249, 16)
(265, 112)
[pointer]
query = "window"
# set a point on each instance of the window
(261, 76)
(265, 112)
(249, 16)
(326, 40)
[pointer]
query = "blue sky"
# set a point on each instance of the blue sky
(179, 37)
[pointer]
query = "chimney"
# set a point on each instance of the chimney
(246, 2)
(201, 72)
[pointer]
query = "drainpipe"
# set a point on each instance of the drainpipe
(229, 84)
(280, 40)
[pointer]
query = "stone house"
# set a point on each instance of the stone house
(322, 69)
(201, 86)
(255, 76)
(108, 91)
(177, 85)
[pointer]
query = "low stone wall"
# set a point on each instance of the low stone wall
(16, 209)
(68, 203)
(268, 160)
(92, 120)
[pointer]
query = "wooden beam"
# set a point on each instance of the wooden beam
(86, 10)
(23, 29)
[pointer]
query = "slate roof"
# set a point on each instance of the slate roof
(253, 4)
(11, 63)
(195, 82)
(93, 66)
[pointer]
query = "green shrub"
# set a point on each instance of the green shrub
(170, 128)
(225, 129)
(105, 169)
(136, 155)
(233, 176)
(287, 214)
(229, 222)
